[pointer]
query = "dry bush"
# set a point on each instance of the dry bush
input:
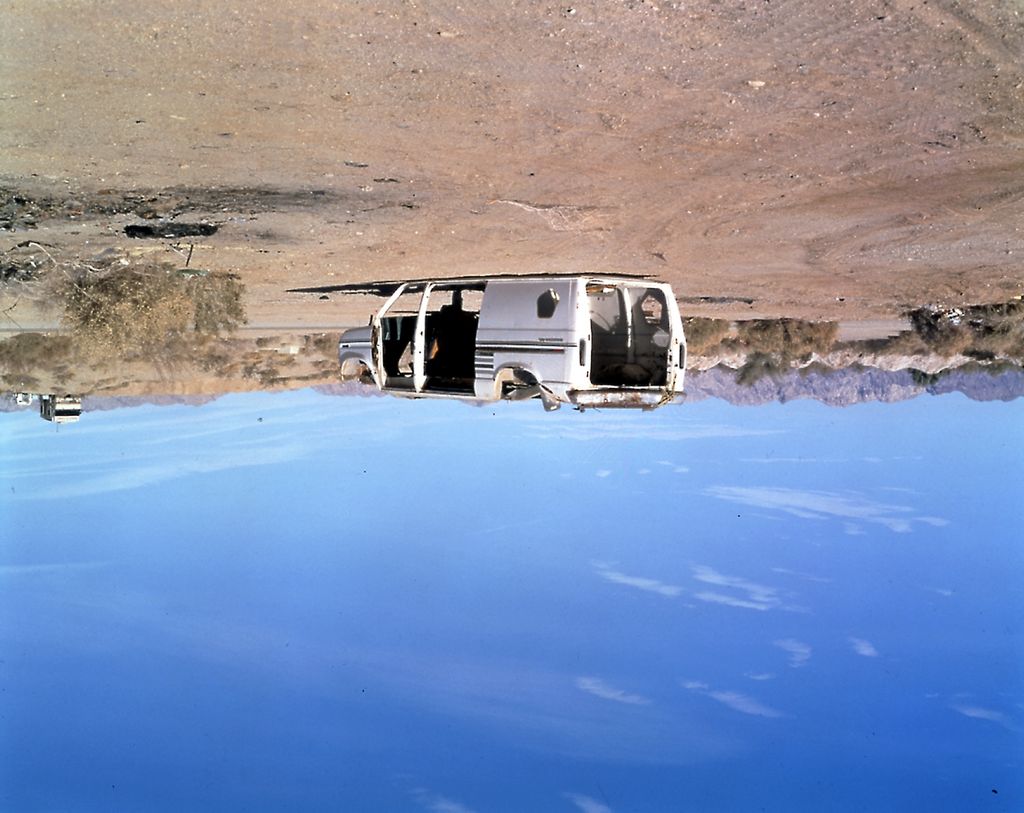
(788, 338)
(761, 365)
(127, 310)
(772, 345)
(217, 302)
(27, 352)
(326, 343)
(703, 334)
(981, 331)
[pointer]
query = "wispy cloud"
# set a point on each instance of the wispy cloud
(760, 675)
(730, 601)
(437, 803)
(737, 701)
(849, 506)
(980, 713)
(800, 575)
(799, 652)
(49, 569)
(791, 460)
(137, 474)
(625, 427)
(744, 703)
(599, 688)
(862, 647)
(606, 571)
(751, 596)
(587, 804)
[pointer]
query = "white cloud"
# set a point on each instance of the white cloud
(439, 804)
(862, 647)
(754, 596)
(606, 572)
(760, 675)
(602, 473)
(140, 474)
(806, 504)
(626, 427)
(599, 688)
(799, 652)
(737, 701)
(743, 703)
(587, 804)
(792, 460)
(55, 568)
(731, 601)
(979, 713)
(800, 575)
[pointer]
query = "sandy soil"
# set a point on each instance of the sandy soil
(838, 160)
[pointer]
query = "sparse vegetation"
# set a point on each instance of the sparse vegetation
(133, 310)
(703, 334)
(26, 353)
(217, 299)
(983, 332)
(790, 339)
(761, 365)
(770, 345)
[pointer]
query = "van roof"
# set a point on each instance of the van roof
(388, 287)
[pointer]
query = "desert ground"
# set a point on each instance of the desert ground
(841, 160)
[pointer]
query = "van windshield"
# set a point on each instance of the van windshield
(630, 335)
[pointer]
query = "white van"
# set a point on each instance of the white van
(581, 340)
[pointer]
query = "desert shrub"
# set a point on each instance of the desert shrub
(126, 309)
(772, 345)
(703, 334)
(217, 302)
(32, 351)
(326, 343)
(788, 338)
(979, 331)
(761, 365)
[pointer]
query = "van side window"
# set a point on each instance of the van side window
(652, 306)
(546, 304)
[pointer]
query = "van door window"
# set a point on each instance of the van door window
(450, 340)
(630, 336)
(651, 333)
(398, 327)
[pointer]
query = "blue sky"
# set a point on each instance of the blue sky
(296, 600)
